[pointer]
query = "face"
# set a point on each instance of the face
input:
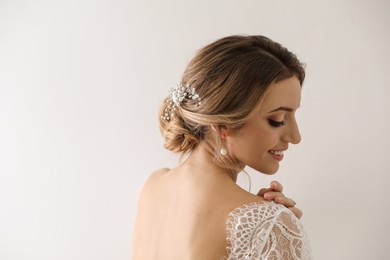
(261, 142)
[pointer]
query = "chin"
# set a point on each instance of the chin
(268, 171)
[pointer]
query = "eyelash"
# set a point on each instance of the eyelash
(274, 123)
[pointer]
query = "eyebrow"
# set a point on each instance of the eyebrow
(288, 109)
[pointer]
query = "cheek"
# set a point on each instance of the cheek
(266, 137)
(254, 142)
(271, 137)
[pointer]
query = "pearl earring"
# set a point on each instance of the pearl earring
(223, 151)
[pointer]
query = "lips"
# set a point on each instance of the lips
(278, 155)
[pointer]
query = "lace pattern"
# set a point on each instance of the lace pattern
(265, 230)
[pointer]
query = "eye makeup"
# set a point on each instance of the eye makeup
(274, 123)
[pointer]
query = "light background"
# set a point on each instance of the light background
(81, 83)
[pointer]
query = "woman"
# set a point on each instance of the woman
(234, 107)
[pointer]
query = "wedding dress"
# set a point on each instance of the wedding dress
(265, 230)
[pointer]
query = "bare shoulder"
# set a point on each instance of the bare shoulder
(151, 181)
(158, 173)
(242, 197)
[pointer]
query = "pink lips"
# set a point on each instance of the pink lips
(278, 157)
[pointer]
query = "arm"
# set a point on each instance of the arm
(286, 239)
(266, 231)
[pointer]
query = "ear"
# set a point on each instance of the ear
(221, 130)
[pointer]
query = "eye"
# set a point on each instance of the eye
(276, 123)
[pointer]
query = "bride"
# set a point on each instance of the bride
(235, 107)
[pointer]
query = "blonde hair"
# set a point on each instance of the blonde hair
(231, 75)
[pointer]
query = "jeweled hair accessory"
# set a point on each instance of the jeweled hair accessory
(176, 96)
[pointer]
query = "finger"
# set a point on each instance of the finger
(271, 195)
(297, 212)
(263, 191)
(285, 201)
(276, 186)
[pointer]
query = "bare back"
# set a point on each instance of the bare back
(182, 215)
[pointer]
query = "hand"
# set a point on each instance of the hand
(275, 193)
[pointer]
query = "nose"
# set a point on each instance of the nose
(292, 134)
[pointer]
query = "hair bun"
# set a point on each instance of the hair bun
(177, 135)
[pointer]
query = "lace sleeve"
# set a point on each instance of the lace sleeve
(266, 231)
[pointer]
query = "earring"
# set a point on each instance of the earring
(223, 150)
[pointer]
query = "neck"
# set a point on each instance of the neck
(201, 159)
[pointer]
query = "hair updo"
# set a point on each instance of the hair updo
(231, 76)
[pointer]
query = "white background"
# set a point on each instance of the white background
(81, 83)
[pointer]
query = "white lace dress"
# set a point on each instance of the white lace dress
(265, 230)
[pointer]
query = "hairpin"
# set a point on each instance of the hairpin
(176, 96)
